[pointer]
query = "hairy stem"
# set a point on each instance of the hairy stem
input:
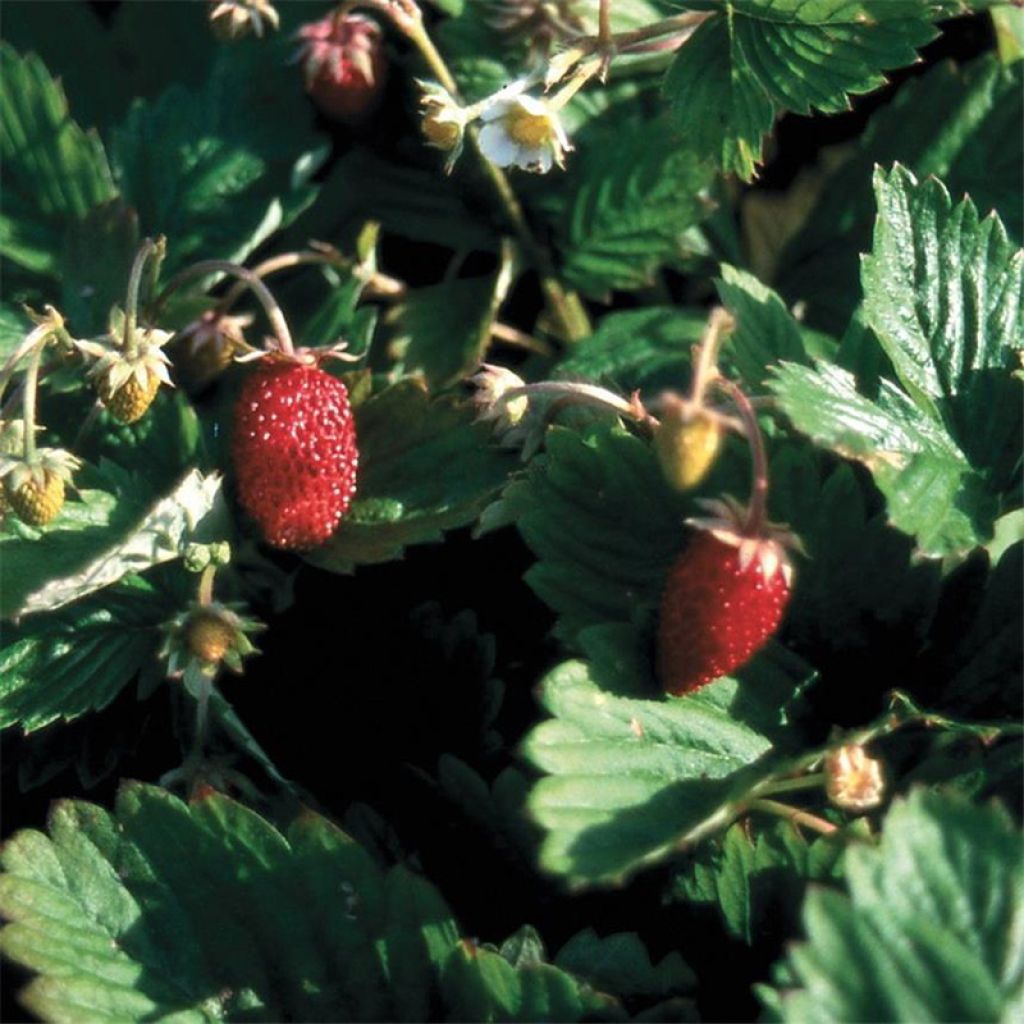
(252, 281)
(131, 299)
(719, 324)
(759, 460)
(814, 781)
(29, 401)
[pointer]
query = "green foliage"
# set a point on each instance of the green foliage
(632, 779)
(220, 168)
(61, 665)
(637, 348)
(443, 331)
(752, 878)
(53, 171)
(957, 123)
(424, 468)
(759, 57)
(206, 911)
(929, 930)
(97, 540)
(638, 189)
(941, 448)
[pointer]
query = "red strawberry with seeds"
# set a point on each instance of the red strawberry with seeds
(294, 451)
(723, 599)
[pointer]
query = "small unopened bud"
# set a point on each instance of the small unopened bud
(233, 19)
(197, 557)
(853, 780)
(492, 384)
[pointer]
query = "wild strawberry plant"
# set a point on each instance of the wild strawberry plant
(511, 510)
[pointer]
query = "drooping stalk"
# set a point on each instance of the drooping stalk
(258, 288)
(131, 300)
(759, 461)
(29, 402)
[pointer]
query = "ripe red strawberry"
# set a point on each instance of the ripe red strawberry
(294, 451)
(723, 599)
(344, 65)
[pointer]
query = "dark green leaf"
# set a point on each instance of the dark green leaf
(744, 64)
(443, 331)
(929, 931)
(424, 468)
(639, 190)
(60, 666)
(219, 169)
(53, 171)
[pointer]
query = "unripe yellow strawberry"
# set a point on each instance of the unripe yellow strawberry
(35, 498)
(129, 402)
(208, 636)
(687, 447)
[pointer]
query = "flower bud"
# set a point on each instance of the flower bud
(853, 780)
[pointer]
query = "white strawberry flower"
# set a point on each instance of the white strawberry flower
(525, 132)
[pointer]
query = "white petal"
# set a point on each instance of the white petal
(496, 110)
(497, 146)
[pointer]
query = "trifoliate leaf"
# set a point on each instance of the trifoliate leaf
(930, 928)
(60, 666)
(955, 122)
(158, 537)
(53, 171)
(760, 56)
(943, 451)
(424, 467)
(443, 331)
(639, 188)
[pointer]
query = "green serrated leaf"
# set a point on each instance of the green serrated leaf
(205, 911)
(219, 169)
(756, 57)
(53, 171)
(95, 264)
(638, 348)
(765, 330)
(943, 292)
(929, 930)
(640, 187)
(63, 665)
(424, 468)
(620, 963)
(754, 878)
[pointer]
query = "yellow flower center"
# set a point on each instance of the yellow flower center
(528, 129)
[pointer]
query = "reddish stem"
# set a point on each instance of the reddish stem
(759, 461)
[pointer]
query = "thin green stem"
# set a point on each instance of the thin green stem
(205, 595)
(815, 781)
(759, 460)
(720, 323)
(258, 288)
(29, 401)
(793, 814)
(131, 299)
